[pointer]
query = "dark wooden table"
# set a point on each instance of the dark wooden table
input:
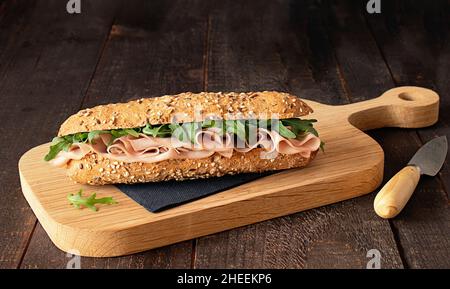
(52, 64)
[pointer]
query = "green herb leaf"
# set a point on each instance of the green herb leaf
(157, 131)
(78, 200)
(80, 137)
(191, 129)
(178, 131)
(208, 123)
(301, 126)
(56, 140)
(240, 129)
(132, 132)
(93, 134)
(56, 148)
(284, 131)
(322, 146)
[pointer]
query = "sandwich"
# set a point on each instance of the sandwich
(185, 136)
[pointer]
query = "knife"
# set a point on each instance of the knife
(428, 160)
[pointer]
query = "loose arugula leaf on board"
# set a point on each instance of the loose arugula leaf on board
(77, 200)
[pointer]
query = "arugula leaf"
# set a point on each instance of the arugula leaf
(240, 129)
(149, 130)
(93, 134)
(284, 131)
(78, 200)
(56, 148)
(116, 133)
(191, 129)
(229, 127)
(67, 146)
(178, 131)
(56, 140)
(208, 123)
(322, 146)
(301, 126)
(157, 131)
(131, 132)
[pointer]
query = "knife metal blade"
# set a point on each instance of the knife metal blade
(431, 156)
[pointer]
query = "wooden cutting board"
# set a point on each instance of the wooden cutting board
(351, 166)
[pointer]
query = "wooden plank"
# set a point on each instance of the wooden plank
(175, 256)
(36, 91)
(13, 17)
(154, 47)
(413, 37)
(286, 47)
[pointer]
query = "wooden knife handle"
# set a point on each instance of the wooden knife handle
(392, 198)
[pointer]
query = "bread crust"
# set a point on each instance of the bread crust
(94, 169)
(186, 107)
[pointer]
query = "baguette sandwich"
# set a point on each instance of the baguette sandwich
(185, 136)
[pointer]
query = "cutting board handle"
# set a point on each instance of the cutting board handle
(406, 106)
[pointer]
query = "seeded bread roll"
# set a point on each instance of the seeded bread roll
(97, 170)
(186, 107)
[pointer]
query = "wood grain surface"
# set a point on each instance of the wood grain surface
(331, 52)
(352, 166)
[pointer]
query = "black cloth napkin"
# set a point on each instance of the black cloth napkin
(156, 197)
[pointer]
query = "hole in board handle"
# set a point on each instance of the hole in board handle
(406, 96)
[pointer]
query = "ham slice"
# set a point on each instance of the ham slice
(147, 149)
